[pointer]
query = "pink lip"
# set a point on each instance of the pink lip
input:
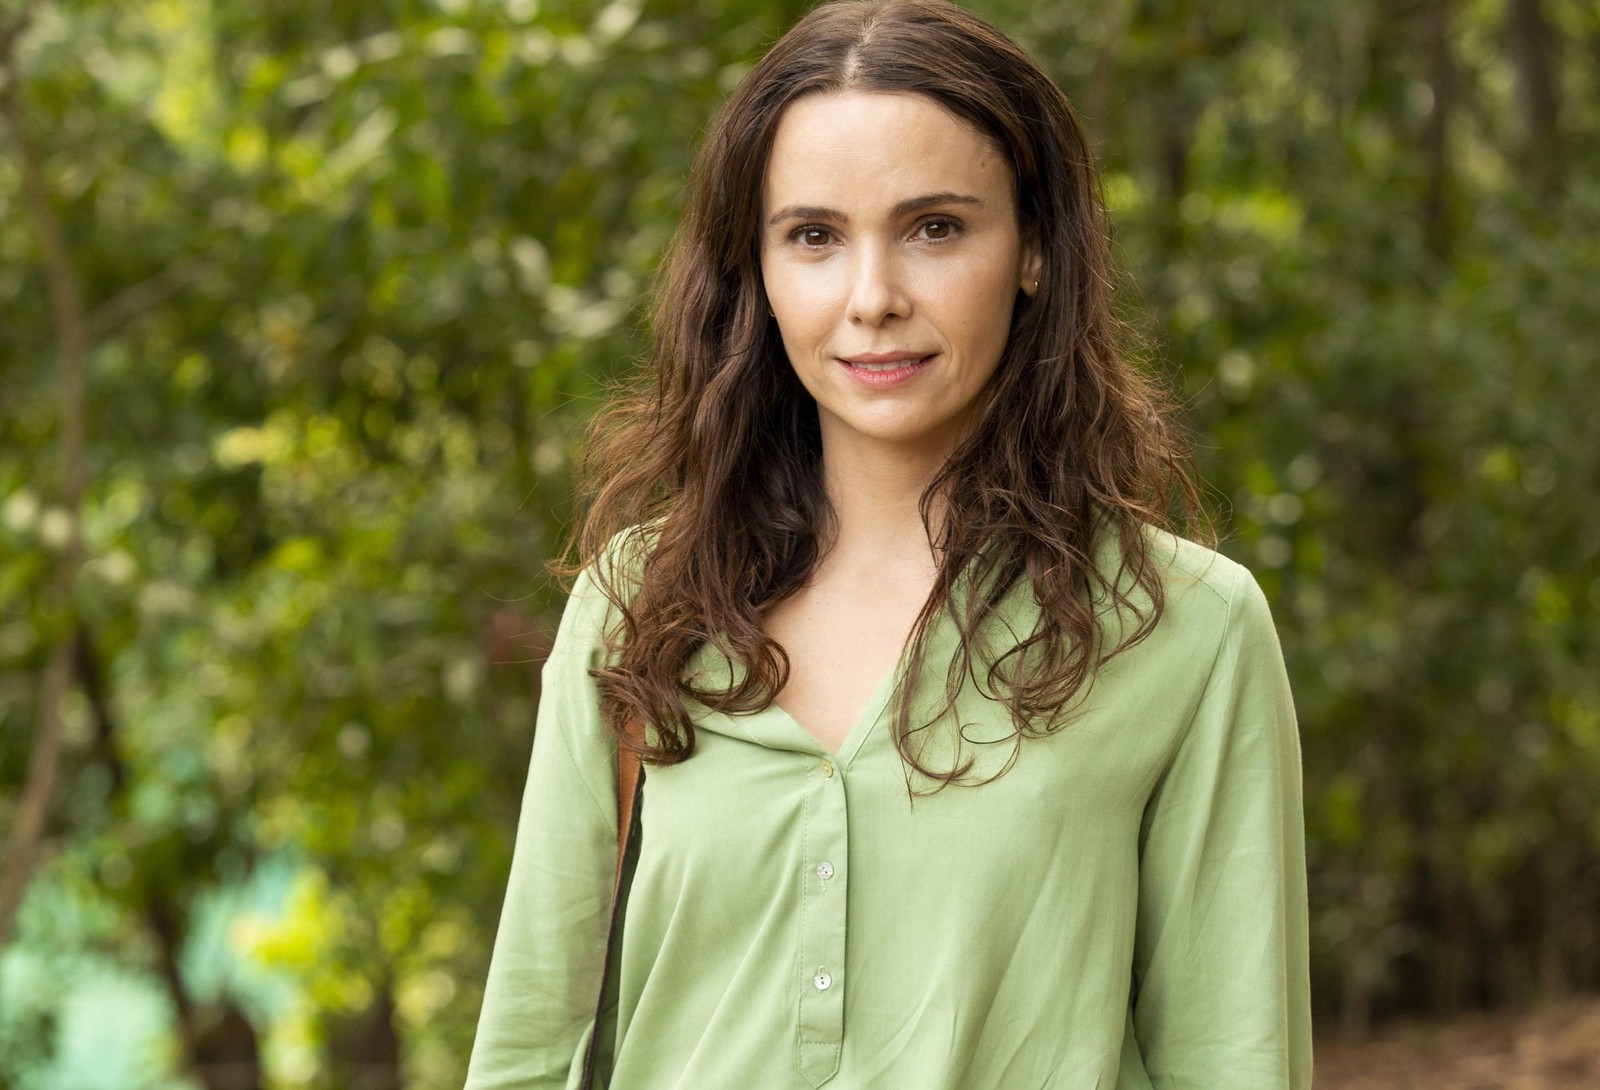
(911, 364)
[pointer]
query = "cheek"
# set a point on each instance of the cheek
(799, 289)
(972, 305)
(1005, 282)
(802, 303)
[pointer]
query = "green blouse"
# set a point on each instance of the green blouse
(1125, 908)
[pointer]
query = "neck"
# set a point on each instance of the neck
(875, 490)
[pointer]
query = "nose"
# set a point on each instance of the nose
(877, 290)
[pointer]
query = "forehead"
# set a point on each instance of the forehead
(869, 148)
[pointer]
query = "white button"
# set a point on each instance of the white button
(822, 980)
(824, 870)
(827, 768)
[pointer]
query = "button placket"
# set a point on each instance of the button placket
(821, 982)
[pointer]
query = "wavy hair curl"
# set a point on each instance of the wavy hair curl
(713, 458)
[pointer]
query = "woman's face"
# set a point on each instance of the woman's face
(892, 258)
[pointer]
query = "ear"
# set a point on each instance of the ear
(1032, 264)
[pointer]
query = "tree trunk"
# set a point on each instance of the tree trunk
(364, 1047)
(1436, 136)
(228, 1053)
(1096, 111)
(27, 831)
(1535, 54)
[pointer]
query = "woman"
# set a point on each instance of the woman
(959, 773)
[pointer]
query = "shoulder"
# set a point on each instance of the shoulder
(1213, 649)
(1205, 595)
(1188, 567)
(603, 588)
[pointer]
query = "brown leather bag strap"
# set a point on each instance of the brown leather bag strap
(629, 770)
(630, 788)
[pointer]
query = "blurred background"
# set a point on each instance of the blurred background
(303, 304)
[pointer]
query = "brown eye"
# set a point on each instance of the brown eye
(938, 230)
(813, 236)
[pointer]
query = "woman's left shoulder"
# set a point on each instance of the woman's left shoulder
(1188, 565)
(1202, 590)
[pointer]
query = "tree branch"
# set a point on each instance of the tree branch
(145, 295)
(26, 834)
(10, 32)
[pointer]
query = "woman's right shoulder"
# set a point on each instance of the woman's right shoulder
(611, 578)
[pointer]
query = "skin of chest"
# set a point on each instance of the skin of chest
(843, 636)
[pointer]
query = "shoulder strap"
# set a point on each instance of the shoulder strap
(629, 771)
(630, 784)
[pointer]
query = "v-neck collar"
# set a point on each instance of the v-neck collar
(773, 726)
(866, 720)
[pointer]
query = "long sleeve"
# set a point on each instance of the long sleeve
(544, 977)
(1221, 949)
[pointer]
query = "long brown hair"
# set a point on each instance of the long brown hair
(713, 461)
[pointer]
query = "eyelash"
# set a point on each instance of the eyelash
(956, 227)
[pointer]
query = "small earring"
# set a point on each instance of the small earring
(1036, 283)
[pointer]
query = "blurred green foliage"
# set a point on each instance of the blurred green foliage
(358, 270)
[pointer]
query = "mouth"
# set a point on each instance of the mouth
(884, 369)
(884, 360)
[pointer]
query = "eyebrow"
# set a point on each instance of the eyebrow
(903, 208)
